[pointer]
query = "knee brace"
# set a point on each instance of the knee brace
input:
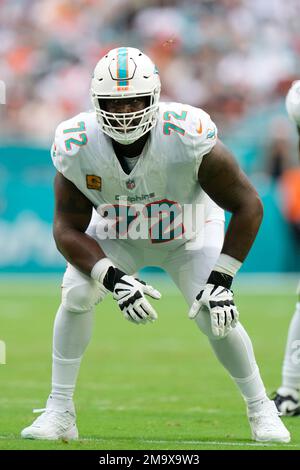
(81, 297)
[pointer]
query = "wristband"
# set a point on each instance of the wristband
(227, 264)
(100, 269)
(112, 276)
(220, 279)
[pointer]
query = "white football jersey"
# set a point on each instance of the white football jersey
(165, 174)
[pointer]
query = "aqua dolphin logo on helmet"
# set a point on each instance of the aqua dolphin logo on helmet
(125, 69)
(126, 72)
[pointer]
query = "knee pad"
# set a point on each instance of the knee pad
(81, 297)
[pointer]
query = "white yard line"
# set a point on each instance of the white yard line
(181, 442)
(206, 443)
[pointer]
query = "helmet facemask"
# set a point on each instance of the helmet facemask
(126, 128)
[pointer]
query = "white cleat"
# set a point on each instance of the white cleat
(56, 422)
(266, 426)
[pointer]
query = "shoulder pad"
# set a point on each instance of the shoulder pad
(71, 138)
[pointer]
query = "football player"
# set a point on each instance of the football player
(165, 156)
(287, 395)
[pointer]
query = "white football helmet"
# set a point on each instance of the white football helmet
(292, 102)
(126, 72)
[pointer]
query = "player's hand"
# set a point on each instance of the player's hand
(129, 293)
(219, 302)
(293, 102)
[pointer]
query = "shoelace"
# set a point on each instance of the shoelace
(38, 410)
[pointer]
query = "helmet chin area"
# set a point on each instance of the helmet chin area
(126, 128)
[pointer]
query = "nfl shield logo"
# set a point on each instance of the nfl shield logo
(130, 184)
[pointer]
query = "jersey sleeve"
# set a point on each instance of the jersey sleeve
(69, 141)
(188, 134)
(203, 134)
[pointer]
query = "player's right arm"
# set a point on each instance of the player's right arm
(73, 212)
(72, 216)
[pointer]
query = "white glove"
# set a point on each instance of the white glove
(219, 302)
(292, 102)
(129, 293)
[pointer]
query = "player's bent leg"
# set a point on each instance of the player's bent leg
(72, 333)
(235, 352)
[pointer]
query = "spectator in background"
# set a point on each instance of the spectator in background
(290, 186)
(230, 55)
(279, 151)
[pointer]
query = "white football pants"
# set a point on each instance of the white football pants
(189, 269)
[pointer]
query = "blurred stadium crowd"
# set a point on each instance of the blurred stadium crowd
(228, 56)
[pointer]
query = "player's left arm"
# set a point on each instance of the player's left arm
(223, 180)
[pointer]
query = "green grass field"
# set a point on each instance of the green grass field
(156, 386)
